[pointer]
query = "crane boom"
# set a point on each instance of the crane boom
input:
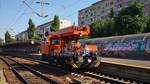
(72, 31)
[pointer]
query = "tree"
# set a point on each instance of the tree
(133, 10)
(31, 29)
(96, 29)
(55, 25)
(36, 37)
(7, 37)
(131, 20)
(147, 29)
(1, 42)
(109, 27)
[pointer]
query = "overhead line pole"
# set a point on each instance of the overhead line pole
(42, 3)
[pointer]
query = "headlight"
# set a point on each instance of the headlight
(32, 42)
(89, 60)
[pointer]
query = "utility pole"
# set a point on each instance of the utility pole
(42, 3)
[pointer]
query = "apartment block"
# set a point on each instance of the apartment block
(101, 10)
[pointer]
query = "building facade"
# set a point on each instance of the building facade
(41, 29)
(101, 10)
(23, 36)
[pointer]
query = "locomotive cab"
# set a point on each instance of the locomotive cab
(54, 47)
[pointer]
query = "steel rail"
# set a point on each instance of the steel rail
(107, 79)
(16, 72)
(36, 72)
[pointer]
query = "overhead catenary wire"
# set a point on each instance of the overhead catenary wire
(14, 18)
(63, 8)
(31, 8)
(19, 16)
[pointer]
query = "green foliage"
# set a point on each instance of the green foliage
(131, 20)
(55, 25)
(109, 27)
(36, 37)
(1, 42)
(96, 28)
(133, 10)
(147, 29)
(31, 29)
(8, 38)
(100, 29)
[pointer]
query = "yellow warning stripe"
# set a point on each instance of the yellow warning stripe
(97, 64)
(75, 66)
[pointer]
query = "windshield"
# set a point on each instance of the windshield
(55, 42)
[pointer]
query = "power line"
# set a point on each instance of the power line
(19, 16)
(71, 14)
(63, 8)
(18, 11)
(13, 21)
(31, 8)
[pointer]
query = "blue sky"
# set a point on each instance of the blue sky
(14, 14)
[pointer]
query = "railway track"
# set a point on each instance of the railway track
(106, 79)
(109, 79)
(26, 74)
(101, 77)
(66, 75)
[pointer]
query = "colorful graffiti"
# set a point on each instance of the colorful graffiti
(127, 47)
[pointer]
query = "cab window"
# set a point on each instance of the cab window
(55, 42)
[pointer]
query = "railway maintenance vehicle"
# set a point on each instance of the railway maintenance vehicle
(64, 48)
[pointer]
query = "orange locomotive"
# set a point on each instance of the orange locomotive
(62, 48)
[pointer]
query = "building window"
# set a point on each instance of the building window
(82, 22)
(118, 0)
(102, 11)
(86, 11)
(91, 20)
(86, 15)
(91, 14)
(120, 5)
(98, 7)
(111, 3)
(102, 17)
(106, 4)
